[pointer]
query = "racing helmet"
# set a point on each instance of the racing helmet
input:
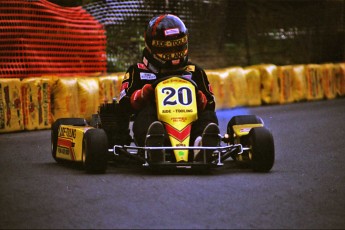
(166, 44)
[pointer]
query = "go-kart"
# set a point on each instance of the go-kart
(106, 137)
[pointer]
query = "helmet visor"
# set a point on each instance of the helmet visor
(170, 49)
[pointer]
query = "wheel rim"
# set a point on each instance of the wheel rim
(250, 154)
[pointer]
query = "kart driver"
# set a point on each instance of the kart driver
(166, 53)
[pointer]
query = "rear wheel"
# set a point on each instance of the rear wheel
(55, 130)
(95, 148)
(261, 149)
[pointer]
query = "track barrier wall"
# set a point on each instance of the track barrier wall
(53, 64)
(34, 103)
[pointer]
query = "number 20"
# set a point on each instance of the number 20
(184, 96)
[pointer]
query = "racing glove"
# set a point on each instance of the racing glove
(201, 100)
(141, 96)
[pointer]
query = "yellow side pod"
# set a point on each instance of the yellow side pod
(70, 142)
(241, 130)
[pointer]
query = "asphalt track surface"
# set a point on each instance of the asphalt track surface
(305, 188)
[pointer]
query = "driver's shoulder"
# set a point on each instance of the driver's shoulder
(140, 67)
(137, 68)
(140, 71)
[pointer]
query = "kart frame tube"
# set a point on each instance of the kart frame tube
(227, 151)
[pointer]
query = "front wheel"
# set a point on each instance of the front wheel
(261, 146)
(95, 148)
(241, 120)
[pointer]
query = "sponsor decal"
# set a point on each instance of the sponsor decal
(245, 130)
(190, 68)
(178, 119)
(184, 110)
(172, 56)
(170, 32)
(147, 76)
(175, 62)
(67, 132)
(141, 66)
(124, 86)
(146, 62)
(66, 147)
(65, 144)
(171, 43)
(122, 94)
(188, 76)
(180, 153)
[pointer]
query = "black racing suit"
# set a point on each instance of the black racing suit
(138, 75)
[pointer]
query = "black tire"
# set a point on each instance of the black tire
(261, 146)
(95, 149)
(241, 120)
(55, 128)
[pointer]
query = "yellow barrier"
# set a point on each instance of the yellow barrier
(314, 82)
(299, 83)
(339, 72)
(215, 78)
(65, 98)
(88, 96)
(11, 115)
(109, 87)
(235, 85)
(328, 81)
(285, 78)
(34, 103)
(269, 83)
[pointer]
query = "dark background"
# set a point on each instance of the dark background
(228, 32)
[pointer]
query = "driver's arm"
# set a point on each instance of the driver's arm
(135, 93)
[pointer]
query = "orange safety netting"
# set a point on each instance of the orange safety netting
(38, 37)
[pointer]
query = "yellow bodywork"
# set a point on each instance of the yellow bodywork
(241, 130)
(177, 109)
(70, 142)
